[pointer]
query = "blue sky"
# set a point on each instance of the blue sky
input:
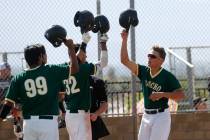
(169, 23)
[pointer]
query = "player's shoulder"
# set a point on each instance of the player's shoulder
(56, 66)
(86, 65)
(97, 81)
(168, 74)
(143, 68)
(18, 76)
(165, 71)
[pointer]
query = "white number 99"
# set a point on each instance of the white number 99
(39, 86)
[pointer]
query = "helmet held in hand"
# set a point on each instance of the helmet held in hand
(101, 24)
(56, 35)
(127, 18)
(85, 20)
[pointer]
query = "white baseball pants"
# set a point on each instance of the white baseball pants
(155, 126)
(78, 125)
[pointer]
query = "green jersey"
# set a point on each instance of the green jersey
(37, 89)
(78, 88)
(163, 81)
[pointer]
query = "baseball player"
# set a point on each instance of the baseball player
(37, 89)
(158, 85)
(98, 106)
(78, 96)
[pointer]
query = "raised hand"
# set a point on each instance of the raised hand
(124, 35)
(86, 38)
(104, 38)
(69, 43)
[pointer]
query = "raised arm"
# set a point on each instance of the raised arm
(124, 54)
(74, 68)
(104, 53)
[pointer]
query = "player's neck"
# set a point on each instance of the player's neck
(155, 70)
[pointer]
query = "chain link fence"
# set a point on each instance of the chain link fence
(24, 22)
(194, 79)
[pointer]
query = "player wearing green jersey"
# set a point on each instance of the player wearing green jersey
(158, 85)
(5, 79)
(37, 90)
(78, 96)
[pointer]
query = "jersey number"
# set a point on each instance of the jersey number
(71, 81)
(37, 86)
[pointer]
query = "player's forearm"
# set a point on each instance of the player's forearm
(104, 59)
(176, 95)
(74, 63)
(72, 56)
(104, 55)
(103, 46)
(124, 52)
(103, 107)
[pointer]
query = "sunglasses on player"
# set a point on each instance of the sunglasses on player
(152, 56)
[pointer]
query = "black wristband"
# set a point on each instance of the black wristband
(83, 47)
(5, 111)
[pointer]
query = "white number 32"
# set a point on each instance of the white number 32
(71, 84)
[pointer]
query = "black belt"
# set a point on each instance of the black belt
(77, 111)
(40, 117)
(155, 111)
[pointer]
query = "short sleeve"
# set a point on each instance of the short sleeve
(12, 92)
(142, 71)
(173, 83)
(61, 71)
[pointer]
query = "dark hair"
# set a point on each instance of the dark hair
(32, 53)
(160, 50)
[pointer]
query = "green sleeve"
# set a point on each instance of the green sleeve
(13, 92)
(88, 69)
(172, 82)
(60, 71)
(142, 71)
(92, 69)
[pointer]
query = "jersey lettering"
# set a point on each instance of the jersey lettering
(153, 85)
(39, 86)
(71, 84)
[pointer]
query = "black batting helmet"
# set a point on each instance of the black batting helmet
(101, 24)
(127, 18)
(56, 35)
(85, 20)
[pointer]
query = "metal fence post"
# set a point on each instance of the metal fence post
(133, 83)
(98, 12)
(190, 78)
(4, 57)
